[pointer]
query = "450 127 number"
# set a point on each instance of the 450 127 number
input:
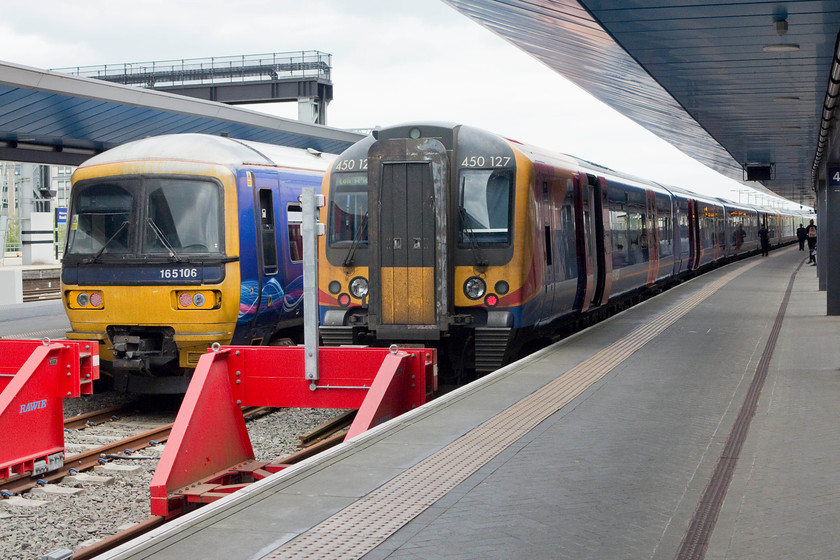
(486, 161)
(179, 273)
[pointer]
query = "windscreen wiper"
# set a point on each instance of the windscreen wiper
(95, 258)
(348, 260)
(159, 234)
(476, 250)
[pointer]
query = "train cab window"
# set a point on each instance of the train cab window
(485, 207)
(294, 218)
(100, 220)
(268, 236)
(348, 211)
(182, 217)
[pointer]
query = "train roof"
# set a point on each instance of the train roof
(542, 155)
(218, 150)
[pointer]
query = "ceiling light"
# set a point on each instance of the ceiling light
(786, 99)
(791, 128)
(781, 47)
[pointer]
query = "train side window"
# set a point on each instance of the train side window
(294, 217)
(567, 221)
(267, 233)
(664, 226)
(547, 226)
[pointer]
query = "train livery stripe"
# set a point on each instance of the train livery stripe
(369, 521)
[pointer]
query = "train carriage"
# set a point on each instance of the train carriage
(448, 235)
(176, 242)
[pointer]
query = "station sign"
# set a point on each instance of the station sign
(833, 176)
(60, 216)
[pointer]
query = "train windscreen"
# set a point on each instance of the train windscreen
(100, 221)
(485, 207)
(166, 216)
(349, 209)
(182, 217)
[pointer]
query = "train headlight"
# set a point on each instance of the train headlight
(502, 287)
(82, 299)
(334, 287)
(474, 287)
(359, 287)
(198, 299)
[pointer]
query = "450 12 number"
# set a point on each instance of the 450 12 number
(360, 164)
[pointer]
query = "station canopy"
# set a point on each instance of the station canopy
(741, 86)
(55, 118)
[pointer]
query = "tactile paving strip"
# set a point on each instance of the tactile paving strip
(365, 524)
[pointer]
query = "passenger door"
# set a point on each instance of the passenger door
(586, 241)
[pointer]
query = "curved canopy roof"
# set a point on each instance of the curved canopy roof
(49, 117)
(733, 83)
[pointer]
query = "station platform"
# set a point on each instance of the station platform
(699, 424)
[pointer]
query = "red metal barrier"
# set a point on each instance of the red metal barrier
(209, 454)
(34, 378)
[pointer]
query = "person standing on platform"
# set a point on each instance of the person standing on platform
(764, 237)
(801, 235)
(811, 236)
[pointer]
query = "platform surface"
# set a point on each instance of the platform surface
(598, 447)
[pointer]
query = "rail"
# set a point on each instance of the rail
(194, 469)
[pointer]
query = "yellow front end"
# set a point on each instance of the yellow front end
(515, 282)
(196, 327)
(199, 315)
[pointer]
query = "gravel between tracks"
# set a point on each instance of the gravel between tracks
(73, 522)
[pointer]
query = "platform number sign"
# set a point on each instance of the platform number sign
(834, 177)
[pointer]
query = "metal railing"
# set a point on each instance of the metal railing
(223, 69)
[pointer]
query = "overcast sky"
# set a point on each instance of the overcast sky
(393, 61)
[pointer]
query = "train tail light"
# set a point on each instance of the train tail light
(198, 299)
(88, 299)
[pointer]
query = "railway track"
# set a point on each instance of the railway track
(87, 460)
(318, 439)
(41, 284)
(127, 493)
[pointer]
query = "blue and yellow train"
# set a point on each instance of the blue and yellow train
(447, 235)
(176, 242)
